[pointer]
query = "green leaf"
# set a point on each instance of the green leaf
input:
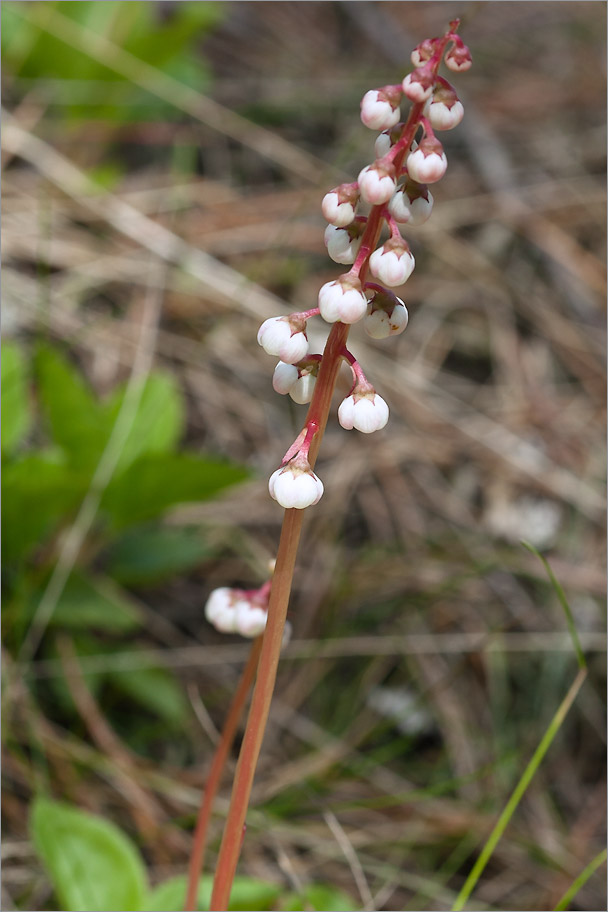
(158, 481)
(98, 602)
(247, 894)
(322, 897)
(157, 690)
(158, 422)
(77, 421)
(148, 555)
(93, 866)
(16, 414)
(37, 491)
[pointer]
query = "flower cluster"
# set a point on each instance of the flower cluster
(391, 192)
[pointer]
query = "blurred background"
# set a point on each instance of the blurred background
(164, 165)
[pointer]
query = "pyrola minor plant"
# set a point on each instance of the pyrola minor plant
(392, 191)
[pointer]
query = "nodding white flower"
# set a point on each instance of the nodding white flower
(412, 204)
(445, 111)
(367, 412)
(304, 387)
(295, 486)
(341, 245)
(422, 52)
(250, 619)
(384, 321)
(284, 377)
(458, 59)
(428, 163)
(220, 610)
(284, 337)
(392, 263)
(418, 85)
(378, 110)
(377, 183)
(342, 300)
(338, 206)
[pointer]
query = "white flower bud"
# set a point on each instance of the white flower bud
(427, 164)
(392, 263)
(250, 619)
(341, 247)
(443, 116)
(399, 207)
(278, 337)
(458, 59)
(342, 300)
(380, 324)
(295, 487)
(366, 413)
(338, 206)
(284, 377)
(302, 390)
(377, 112)
(418, 86)
(220, 610)
(376, 184)
(383, 144)
(420, 209)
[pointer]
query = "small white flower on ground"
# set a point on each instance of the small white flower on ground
(392, 263)
(366, 413)
(220, 610)
(377, 111)
(295, 486)
(250, 619)
(443, 116)
(341, 246)
(342, 300)
(302, 390)
(377, 184)
(338, 206)
(418, 85)
(428, 163)
(278, 336)
(381, 323)
(284, 377)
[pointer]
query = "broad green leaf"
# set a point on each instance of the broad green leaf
(77, 421)
(16, 413)
(158, 421)
(322, 897)
(93, 866)
(148, 555)
(97, 602)
(157, 690)
(248, 894)
(37, 492)
(158, 481)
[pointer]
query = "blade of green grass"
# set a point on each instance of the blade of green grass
(519, 791)
(580, 881)
(564, 603)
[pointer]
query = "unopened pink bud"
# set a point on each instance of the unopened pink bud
(459, 59)
(443, 116)
(341, 245)
(367, 413)
(377, 184)
(392, 263)
(295, 487)
(338, 206)
(342, 300)
(278, 337)
(418, 85)
(378, 110)
(428, 163)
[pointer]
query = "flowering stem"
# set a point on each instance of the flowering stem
(258, 712)
(215, 773)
